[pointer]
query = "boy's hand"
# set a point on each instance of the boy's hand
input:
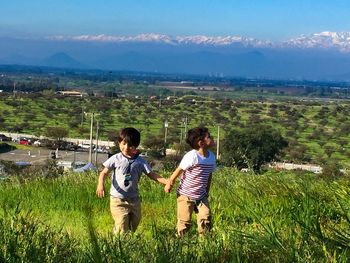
(168, 186)
(100, 191)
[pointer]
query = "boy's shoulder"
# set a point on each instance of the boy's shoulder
(190, 152)
(194, 153)
(142, 160)
(120, 157)
(116, 156)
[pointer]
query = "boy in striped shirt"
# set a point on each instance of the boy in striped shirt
(196, 168)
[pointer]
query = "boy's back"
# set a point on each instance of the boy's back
(197, 170)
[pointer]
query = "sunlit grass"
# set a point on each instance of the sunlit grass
(274, 217)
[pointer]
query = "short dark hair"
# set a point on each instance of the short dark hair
(131, 136)
(195, 135)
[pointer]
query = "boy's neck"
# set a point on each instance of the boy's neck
(203, 152)
(131, 156)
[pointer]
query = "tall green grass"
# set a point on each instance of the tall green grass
(274, 217)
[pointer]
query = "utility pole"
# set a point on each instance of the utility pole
(97, 128)
(91, 126)
(82, 116)
(218, 145)
(14, 89)
(185, 125)
(181, 134)
(166, 125)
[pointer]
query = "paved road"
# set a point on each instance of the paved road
(74, 140)
(37, 156)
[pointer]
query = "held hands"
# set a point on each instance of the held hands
(172, 179)
(168, 186)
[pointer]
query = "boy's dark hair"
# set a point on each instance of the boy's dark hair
(195, 135)
(131, 136)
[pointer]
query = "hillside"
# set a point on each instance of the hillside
(280, 217)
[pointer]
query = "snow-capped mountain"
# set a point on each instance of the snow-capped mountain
(324, 40)
(222, 41)
(178, 40)
(107, 38)
(324, 55)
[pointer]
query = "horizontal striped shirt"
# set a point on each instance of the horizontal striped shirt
(195, 178)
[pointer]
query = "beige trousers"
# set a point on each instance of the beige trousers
(185, 208)
(126, 214)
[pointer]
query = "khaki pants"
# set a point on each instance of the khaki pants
(126, 214)
(185, 208)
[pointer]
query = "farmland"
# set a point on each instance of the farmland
(317, 130)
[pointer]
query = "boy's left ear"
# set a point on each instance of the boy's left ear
(200, 143)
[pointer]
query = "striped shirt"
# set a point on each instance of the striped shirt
(195, 178)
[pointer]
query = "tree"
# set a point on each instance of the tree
(331, 170)
(56, 133)
(329, 150)
(154, 145)
(252, 147)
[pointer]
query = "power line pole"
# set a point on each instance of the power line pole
(184, 120)
(14, 89)
(218, 145)
(166, 125)
(91, 126)
(97, 128)
(82, 117)
(181, 134)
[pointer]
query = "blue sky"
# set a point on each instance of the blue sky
(262, 19)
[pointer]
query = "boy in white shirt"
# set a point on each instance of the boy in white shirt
(127, 167)
(196, 168)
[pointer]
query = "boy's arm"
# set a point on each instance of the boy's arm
(172, 179)
(100, 190)
(157, 178)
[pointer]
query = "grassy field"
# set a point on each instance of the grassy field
(274, 217)
(317, 130)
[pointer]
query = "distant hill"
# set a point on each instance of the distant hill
(62, 60)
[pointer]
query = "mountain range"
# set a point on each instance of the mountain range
(320, 56)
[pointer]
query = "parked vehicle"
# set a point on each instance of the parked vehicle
(69, 146)
(85, 146)
(53, 145)
(37, 143)
(4, 138)
(24, 141)
(101, 150)
(78, 164)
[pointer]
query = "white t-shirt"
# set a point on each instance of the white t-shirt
(195, 178)
(126, 175)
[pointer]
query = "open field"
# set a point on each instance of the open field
(275, 217)
(317, 130)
